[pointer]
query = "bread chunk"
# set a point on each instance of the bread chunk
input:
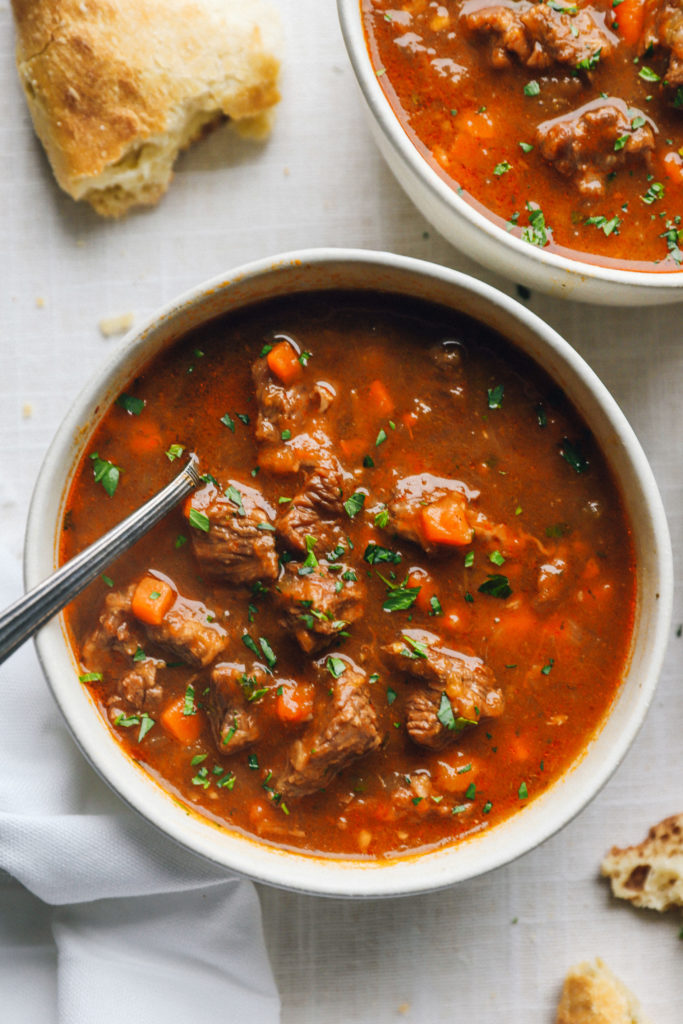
(116, 88)
(651, 874)
(592, 995)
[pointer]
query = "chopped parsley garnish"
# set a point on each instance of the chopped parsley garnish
(374, 554)
(243, 417)
(496, 396)
(537, 232)
(381, 437)
(502, 168)
(174, 451)
(541, 417)
(496, 585)
(368, 462)
(354, 504)
(130, 404)
(250, 644)
(265, 350)
(234, 496)
(497, 558)
(523, 792)
(648, 75)
(228, 422)
(107, 580)
(400, 597)
(391, 695)
(556, 530)
(227, 781)
(525, 147)
(621, 142)
(487, 807)
(572, 454)
(198, 520)
(90, 677)
(608, 226)
(180, 541)
(532, 88)
(547, 668)
(382, 518)
(105, 473)
(286, 434)
(304, 357)
(469, 559)
(654, 192)
(139, 655)
(335, 666)
(268, 654)
(311, 561)
(417, 648)
(435, 606)
(589, 63)
(189, 706)
(673, 236)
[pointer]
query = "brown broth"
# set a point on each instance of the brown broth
(559, 664)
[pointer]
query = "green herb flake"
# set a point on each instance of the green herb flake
(228, 422)
(107, 580)
(382, 518)
(589, 63)
(354, 504)
(189, 706)
(502, 168)
(252, 761)
(235, 497)
(537, 231)
(250, 644)
(496, 585)
(335, 666)
(139, 655)
(368, 462)
(469, 559)
(391, 695)
(146, 723)
(435, 606)
(286, 434)
(227, 781)
(621, 142)
(197, 759)
(654, 192)
(90, 677)
(180, 541)
(648, 75)
(267, 650)
(526, 147)
(471, 791)
(571, 453)
(523, 792)
(198, 520)
(174, 451)
(487, 807)
(130, 404)
(400, 598)
(374, 554)
(532, 88)
(415, 648)
(495, 396)
(105, 473)
(381, 437)
(546, 670)
(497, 558)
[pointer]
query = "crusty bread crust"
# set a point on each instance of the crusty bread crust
(593, 995)
(117, 87)
(651, 874)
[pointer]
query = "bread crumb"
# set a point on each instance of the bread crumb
(111, 325)
(593, 995)
(27, 410)
(650, 874)
(404, 1008)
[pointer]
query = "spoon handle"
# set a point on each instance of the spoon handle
(23, 618)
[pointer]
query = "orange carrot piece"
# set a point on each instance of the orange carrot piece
(284, 363)
(673, 166)
(151, 600)
(629, 15)
(428, 589)
(380, 398)
(295, 704)
(445, 522)
(184, 728)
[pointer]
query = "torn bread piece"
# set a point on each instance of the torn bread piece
(116, 88)
(651, 874)
(593, 995)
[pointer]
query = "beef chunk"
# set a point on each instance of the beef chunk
(187, 630)
(464, 680)
(117, 629)
(411, 499)
(286, 408)
(581, 145)
(233, 723)
(238, 546)
(140, 687)
(313, 608)
(663, 27)
(342, 732)
(315, 510)
(539, 36)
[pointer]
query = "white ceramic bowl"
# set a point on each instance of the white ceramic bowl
(473, 233)
(306, 271)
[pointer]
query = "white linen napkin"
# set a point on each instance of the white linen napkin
(133, 927)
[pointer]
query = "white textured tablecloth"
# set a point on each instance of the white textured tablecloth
(490, 951)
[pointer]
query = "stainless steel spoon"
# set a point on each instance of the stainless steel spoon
(23, 618)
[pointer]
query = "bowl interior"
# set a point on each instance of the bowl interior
(324, 269)
(470, 230)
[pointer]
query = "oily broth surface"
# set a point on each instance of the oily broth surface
(468, 124)
(559, 676)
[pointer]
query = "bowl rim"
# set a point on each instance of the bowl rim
(339, 877)
(351, 22)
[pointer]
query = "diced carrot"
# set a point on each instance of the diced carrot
(673, 166)
(145, 438)
(184, 728)
(380, 398)
(516, 624)
(445, 522)
(295, 704)
(151, 600)
(284, 363)
(629, 16)
(428, 589)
